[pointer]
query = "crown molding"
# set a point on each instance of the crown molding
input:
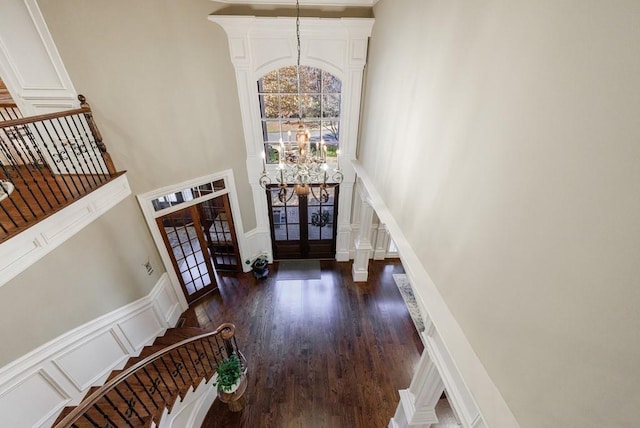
(362, 3)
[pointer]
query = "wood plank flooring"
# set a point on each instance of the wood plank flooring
(321, 353)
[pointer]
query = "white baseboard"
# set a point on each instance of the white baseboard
(35, 387)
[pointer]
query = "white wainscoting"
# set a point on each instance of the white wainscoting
(35, 388)
(29, 246)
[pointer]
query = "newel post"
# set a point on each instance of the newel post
(96, 134)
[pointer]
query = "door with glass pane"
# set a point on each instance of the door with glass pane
(183, 236)
(220, 233)
(303, 226)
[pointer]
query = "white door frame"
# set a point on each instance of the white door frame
(150, 215)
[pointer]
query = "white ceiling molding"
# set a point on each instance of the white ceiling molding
(361, 3)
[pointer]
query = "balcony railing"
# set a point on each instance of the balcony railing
(46, 163)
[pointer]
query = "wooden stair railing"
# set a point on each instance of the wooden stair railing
(164, 372)
(9, 111)
(47, 162)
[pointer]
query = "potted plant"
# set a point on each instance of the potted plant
(260, 266)
(229, 374)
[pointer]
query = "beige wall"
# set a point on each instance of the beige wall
(504, 136)
(97, 271)
(159, 78)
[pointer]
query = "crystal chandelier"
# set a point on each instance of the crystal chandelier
(298, 165)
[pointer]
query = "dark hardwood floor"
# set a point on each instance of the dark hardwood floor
(321, 353)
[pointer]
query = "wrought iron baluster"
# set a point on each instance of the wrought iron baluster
(104, 415)
(64, 139)
(17, 173)
(59, 158)
(144, 388)
(164, 363)
(178, 368)
(26, 146)
(84, 138)
(155, 383)
(129, 409)
(90, 419)
(114, 407)
(195, 373)
(132, 401)
(51, 157)
(81, 156)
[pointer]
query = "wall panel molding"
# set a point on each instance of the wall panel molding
(30, 64)
(34, 388)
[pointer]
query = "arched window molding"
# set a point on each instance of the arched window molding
(258, 45)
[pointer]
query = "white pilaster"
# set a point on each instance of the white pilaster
(360, 269)
(382, 243)
(417, 407)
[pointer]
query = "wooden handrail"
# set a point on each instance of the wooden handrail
(226, 331)
(43, 117)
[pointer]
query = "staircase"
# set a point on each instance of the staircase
(152, 383)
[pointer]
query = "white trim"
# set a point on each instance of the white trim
(44, 373)
(362, 3)
(472, 393)
(29, 246)
(258, 45)
(48, 87)
(150, 214)
(191, 411)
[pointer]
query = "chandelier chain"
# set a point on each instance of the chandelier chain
(298, 163)
(298, 62)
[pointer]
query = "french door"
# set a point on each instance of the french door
(201, 239)
(220, 233)
(303, 226)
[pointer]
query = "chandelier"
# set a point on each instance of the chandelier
(299, 166)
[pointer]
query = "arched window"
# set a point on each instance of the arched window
(281, 107)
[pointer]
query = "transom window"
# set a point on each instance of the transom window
(280, 109)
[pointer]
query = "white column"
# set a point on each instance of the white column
(417, 407)
(360, 269)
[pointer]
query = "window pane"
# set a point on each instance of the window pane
(330, 83)
(288, 80)
(331, 106)
(272, 156)
(269, 82)
(218, 185)
(294, 232)
(310, 79)
(331, 134)
(269, 105)
(311, 106)
(289, 106)
(271, 128)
